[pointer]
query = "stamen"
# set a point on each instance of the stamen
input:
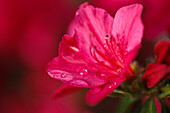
(108, 59)
(107, 37)
(113, 52)
(95, 57)
(113, 60)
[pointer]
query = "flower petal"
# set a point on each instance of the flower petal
(91, 26)
(67, 46)
(158, 105)
(71, 68)
(77, 74)
(131, 55)
(154, 73)
(162, 50)
(94, 95)
(167, 101)
(128, 28)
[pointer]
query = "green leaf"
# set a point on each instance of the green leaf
(165, 92)
(125, 104)
(168, 96)
(119, 93)
(149, 106)
(165, 108)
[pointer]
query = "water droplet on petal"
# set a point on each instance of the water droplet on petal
(54, 76)
(102, 75)
(105, 46)
(63, 75)
(115, 83)
(79, 83)
(107, 76)
(83, 72)
(95, 90)
(112, 85)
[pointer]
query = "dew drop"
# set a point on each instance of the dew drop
(102, 75)
(95, 90)
(63, 75)
(105, 46)
(112, 85)
(115, 83)
(107, 76)
(79, 83)
(54, 76)
(83, 72)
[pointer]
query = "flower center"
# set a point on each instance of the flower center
(108, 59)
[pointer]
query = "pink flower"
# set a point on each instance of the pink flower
(156, 15)
(157, 71)
(98, 56)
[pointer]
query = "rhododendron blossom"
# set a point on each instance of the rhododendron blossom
(99, 54)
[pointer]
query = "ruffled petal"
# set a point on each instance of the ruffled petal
(92, 25)
(71, 68)
(68, 46)
(94, 95)
(77, 73)
(127, 29)
(65, 90)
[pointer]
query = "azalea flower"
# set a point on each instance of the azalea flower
(156, 72)
(98, 56)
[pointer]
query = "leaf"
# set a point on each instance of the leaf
(125, 104)
(119, 93)
(168, 96)
(149, 106)
(165, 92)
(165, 108)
